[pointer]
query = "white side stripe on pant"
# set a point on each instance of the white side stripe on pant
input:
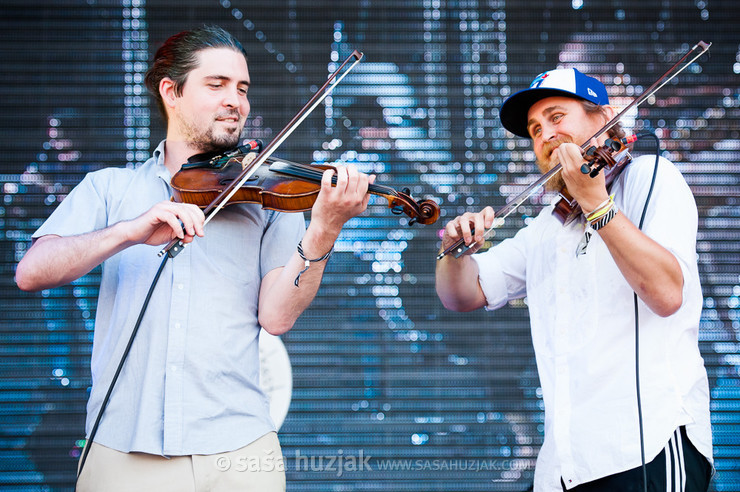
(675, 471)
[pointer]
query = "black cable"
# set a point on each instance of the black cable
(126, 351)
(637, 319)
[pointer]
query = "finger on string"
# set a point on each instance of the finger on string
(342, 179)
(326, 180)
(354, 179)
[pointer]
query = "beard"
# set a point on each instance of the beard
(545, 163)
(211, 138)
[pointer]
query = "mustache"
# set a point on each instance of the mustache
(549, 146)
(229, 114)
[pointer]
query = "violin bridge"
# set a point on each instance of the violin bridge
(248, 160)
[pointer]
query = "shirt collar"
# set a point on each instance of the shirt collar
(158, 156)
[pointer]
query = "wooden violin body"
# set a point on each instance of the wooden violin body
(201, 184)
(279, 185)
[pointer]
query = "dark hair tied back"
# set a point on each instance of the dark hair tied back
(177, 57)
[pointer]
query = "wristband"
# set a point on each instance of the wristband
(605, 219)
(307, 262)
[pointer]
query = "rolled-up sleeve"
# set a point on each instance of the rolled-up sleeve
(502, 270)
(492, 280)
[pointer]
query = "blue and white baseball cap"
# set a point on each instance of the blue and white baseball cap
(562, 82)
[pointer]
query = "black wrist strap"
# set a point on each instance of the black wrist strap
(307, 262)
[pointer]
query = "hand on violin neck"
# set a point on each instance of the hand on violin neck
(336, 204)
(587, 191)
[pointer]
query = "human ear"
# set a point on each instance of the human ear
(610, 112)
(167, 92)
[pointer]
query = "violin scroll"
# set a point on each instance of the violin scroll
(424, 212)
(429, 212)
(599, 157)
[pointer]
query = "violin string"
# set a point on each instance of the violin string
(315, 174)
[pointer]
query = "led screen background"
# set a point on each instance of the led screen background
(438, 400)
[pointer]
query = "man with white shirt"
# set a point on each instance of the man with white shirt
(627, 266)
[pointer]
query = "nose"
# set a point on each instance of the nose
(231, 99)
(549, 132)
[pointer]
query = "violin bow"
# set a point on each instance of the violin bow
(176, 245)
(459, 248)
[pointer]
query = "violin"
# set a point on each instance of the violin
(596, 160)
(613, 157)
(278, 185)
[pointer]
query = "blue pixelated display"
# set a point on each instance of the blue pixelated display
(440, 400)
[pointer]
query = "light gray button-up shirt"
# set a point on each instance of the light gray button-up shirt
(191, 382)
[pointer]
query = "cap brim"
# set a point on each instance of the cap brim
(515, 110)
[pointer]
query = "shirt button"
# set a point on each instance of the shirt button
(173, 368)
(177, 325)
(180, 286)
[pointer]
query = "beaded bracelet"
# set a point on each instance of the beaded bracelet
(307, 262)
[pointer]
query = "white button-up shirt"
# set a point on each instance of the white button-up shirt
(583, 329)
(191, 382)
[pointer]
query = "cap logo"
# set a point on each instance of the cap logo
(592, 93)
(538, 81)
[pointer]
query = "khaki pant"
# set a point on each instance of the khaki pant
(257, 467)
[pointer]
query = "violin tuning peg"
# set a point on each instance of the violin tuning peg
(614, 144)
(585, 168)
(406, 191)
(412, 221)
(589, 152)
(397, 210)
